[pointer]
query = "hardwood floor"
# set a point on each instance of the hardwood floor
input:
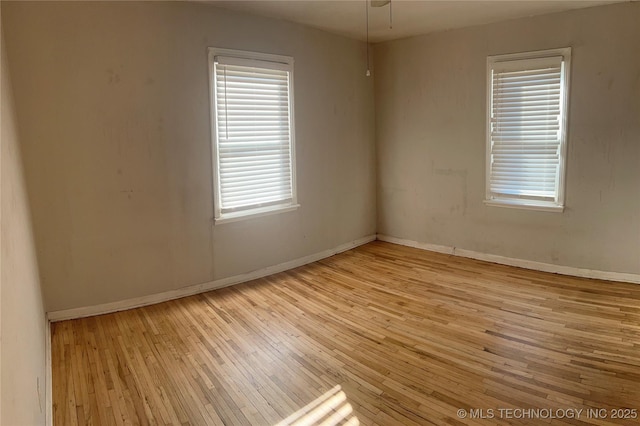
(382, 334)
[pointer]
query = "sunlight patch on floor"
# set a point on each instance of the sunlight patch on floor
(330, 409)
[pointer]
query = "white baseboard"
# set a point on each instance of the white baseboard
(521, 263)
(136, 302)
(48, 386)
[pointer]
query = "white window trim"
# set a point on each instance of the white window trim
(557, 206)
(278, 62)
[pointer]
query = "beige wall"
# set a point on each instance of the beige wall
(113, 103)
(430, 98)
(22, 319)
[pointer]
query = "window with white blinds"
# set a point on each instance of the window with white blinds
(253, 130)
(526, 133)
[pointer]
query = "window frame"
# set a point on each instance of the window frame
(521, 203)
(249, 57)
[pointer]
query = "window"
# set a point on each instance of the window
(526, 131)
(253, 146)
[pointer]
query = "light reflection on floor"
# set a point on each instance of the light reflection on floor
(330, 409)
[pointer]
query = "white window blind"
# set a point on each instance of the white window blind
(527, 130)
(253, 135)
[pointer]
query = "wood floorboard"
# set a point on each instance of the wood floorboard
(379, 335)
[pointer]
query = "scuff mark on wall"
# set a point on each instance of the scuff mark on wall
(114, 77)
(463, 175)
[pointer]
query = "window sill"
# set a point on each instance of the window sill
(525, 205)
(251, 214)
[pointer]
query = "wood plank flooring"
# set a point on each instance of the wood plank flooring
(382, 334)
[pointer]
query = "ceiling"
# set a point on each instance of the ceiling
(410, 18)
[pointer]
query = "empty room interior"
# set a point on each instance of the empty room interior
(320, 213)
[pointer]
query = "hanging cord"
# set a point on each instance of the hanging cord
(366, 7)
(390, 14)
